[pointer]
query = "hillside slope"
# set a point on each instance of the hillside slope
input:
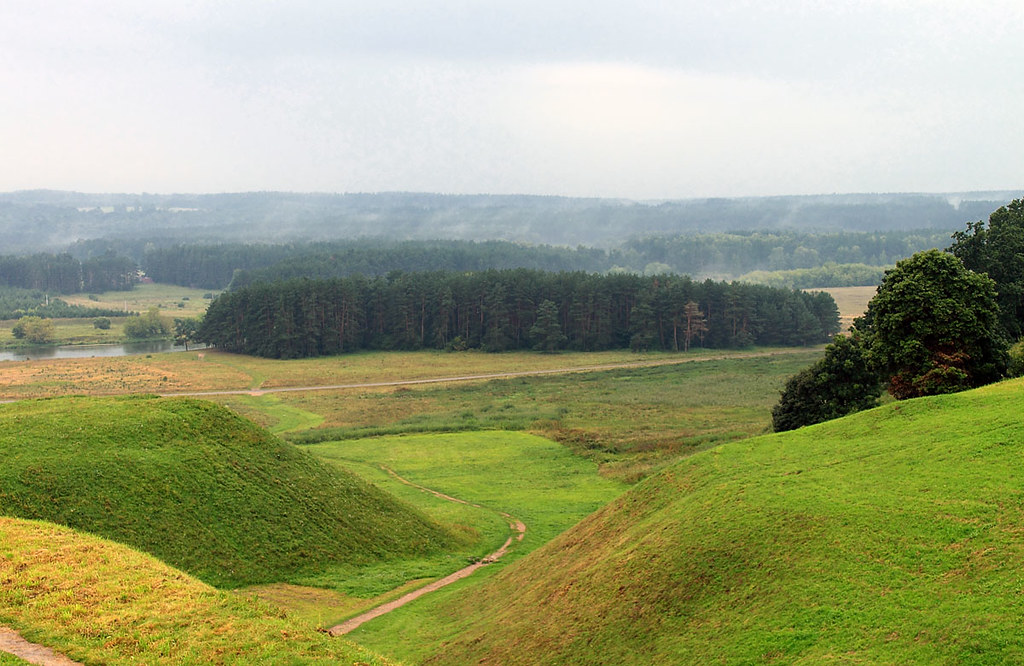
(199, 487)
(104, 603)
(891, 536)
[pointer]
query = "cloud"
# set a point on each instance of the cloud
(651, 99)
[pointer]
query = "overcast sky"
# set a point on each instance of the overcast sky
(643, 100)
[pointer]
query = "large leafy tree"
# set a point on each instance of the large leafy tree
(998, 250)
(933, 327)
(840, 383)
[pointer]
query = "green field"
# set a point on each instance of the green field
(891, 536)
(532, 478)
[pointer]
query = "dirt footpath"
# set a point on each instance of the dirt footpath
(517, 527)
(12, 643)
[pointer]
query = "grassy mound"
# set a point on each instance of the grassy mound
(892, 536)
(198, 487)
(101, 602)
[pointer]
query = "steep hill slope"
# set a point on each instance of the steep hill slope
(892, 536)
(104, 603)
(197, 486)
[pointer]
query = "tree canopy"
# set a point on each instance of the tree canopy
(840, 383)
(514, 309)
(933, 327)
(998, 251)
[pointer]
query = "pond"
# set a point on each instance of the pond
(87, 351)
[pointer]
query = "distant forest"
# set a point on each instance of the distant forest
(42, 220)
(64, 242)
(514, 309)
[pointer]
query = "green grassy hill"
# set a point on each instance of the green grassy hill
(892, 536)
(198, 487)
(104, 603)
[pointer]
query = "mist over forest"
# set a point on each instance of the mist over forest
(45, 220)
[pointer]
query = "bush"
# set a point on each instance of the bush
(101, 323)
(35, 330)
(147, 326)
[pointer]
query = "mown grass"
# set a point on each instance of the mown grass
(201, 488)
(101, 602)
(891, 536)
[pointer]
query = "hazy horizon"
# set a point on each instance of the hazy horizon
(657, 101)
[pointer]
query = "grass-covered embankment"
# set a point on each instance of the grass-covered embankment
(891, 536)
(104, 603)
(200, 488)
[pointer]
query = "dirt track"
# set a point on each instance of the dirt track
(12, 643)
(517, 527)
(496, 375)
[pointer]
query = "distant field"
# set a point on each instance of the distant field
(172, 300)
(852, 302)
(629, 421)
(213, 370)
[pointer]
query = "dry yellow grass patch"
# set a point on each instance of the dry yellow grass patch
(99, 602)
(162, 373)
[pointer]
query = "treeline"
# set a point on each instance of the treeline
(237, 264)
(829, 275)
(40, 220)
(113, 265)
(16, 303)
(64, 274)
(508, 310)
(734, 254)
(720, 256)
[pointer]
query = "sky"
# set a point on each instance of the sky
(639, 100)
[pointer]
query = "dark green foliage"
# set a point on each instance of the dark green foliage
(146, 326)
(547, 331)
(16, 303)
(840, 383)
(732, 254)
(186, 331)
(102, 323)
(64, 274)
(497, 311)
(198, 487)
(933, 327)
(998, 250)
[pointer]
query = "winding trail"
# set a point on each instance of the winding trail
(11, 642)
(518, 532)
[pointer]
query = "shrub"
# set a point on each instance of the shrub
(35, 330)
(148, 325)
